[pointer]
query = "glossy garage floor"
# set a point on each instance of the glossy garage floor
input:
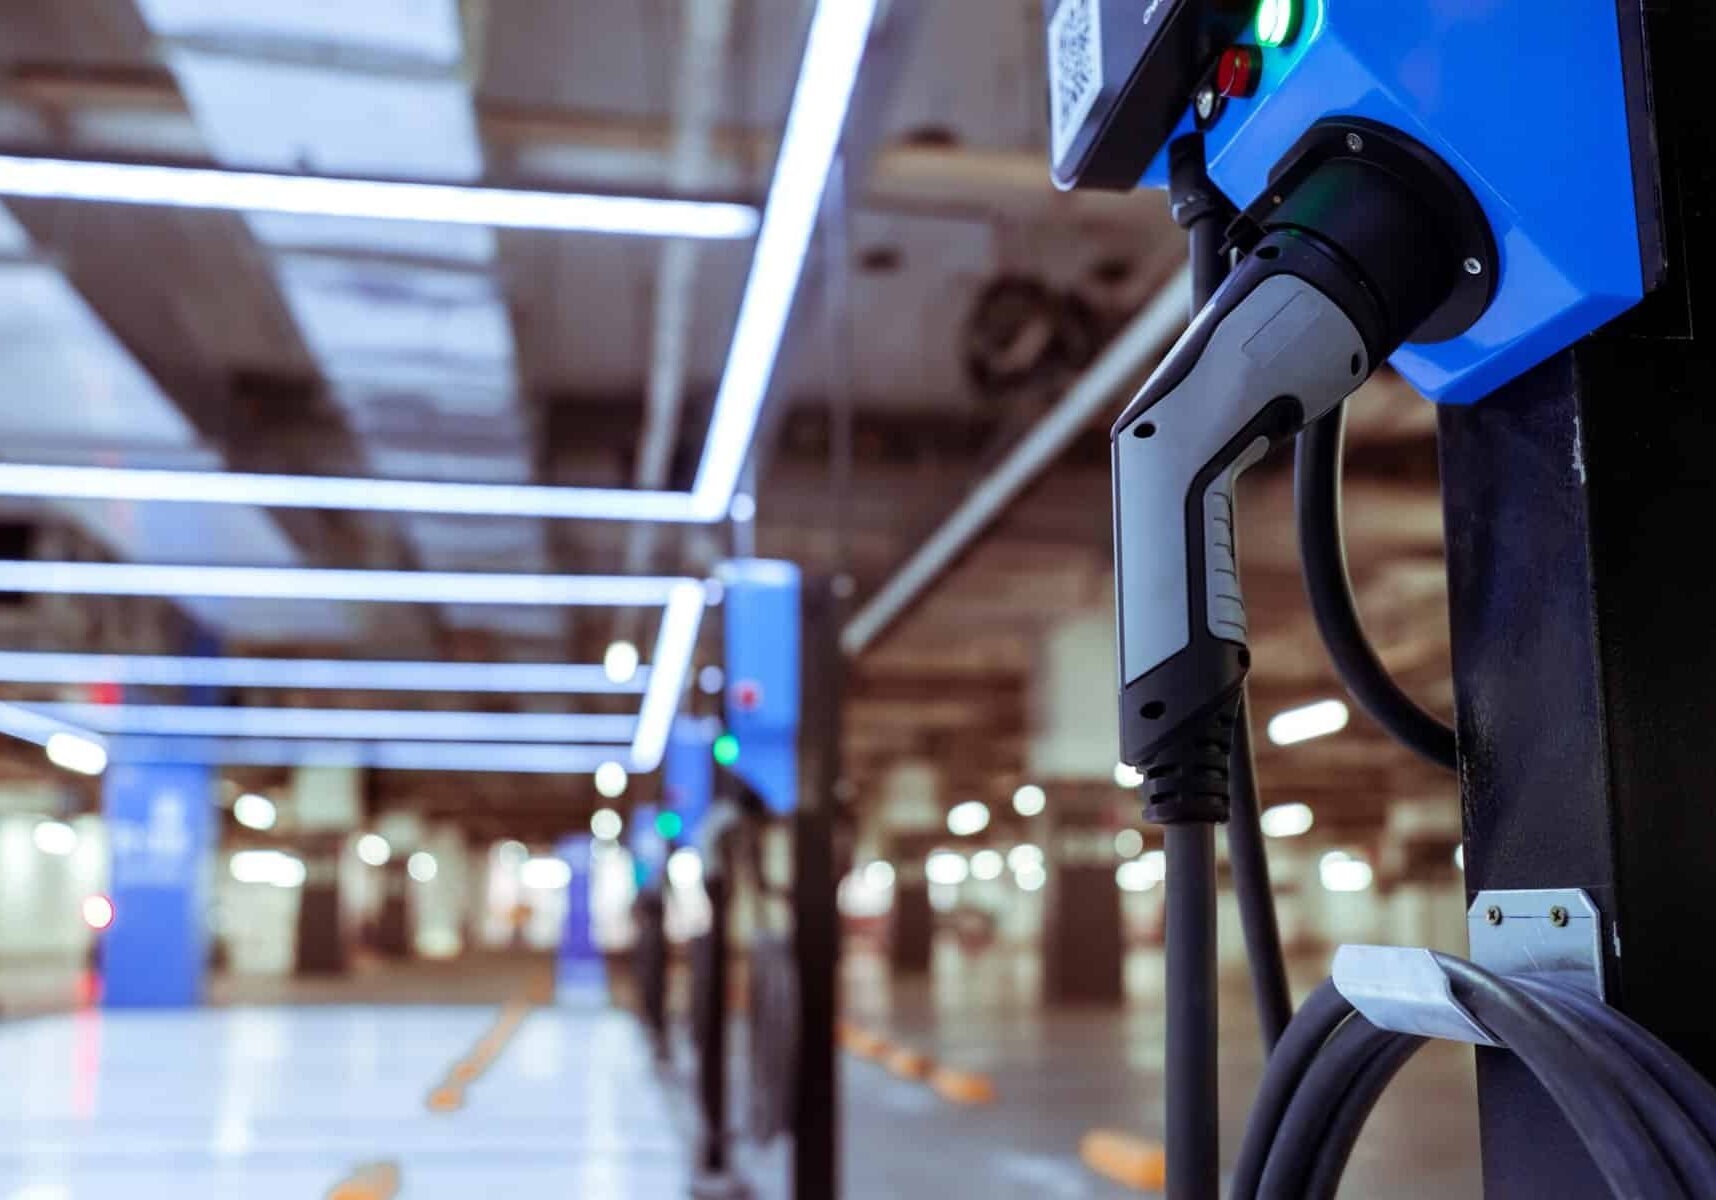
(289, 1103)
(323, 1097)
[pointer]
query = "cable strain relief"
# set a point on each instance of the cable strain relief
(1187, 781)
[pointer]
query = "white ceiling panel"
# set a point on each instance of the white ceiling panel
(298, 116)
(426, 30)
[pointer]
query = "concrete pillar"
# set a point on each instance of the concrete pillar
(438, 901)
(1084, 940)
(912, 819)
(326, 806)
(1073, 748)
(911, 920)
(1298, 894)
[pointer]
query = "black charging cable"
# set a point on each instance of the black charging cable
(1322, 552)
(1646, 1117)
(1192, 1138)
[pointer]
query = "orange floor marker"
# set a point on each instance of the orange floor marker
(446, 1099)
(865, 1044)
(908, 1063)
(963, 1087)
(449, 1095)
(377, 1181)
(1133, 1162)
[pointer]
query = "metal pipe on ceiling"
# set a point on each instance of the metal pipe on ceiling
(1118, 369)
(702, 75)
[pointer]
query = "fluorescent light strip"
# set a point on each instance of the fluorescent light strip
(502, 757)
(152, 670)
(27, 726)
(354, 495)
(674, 646)
(219, 721)
(309, 583)
(826, 81)
(383, 200)
(1312, 721)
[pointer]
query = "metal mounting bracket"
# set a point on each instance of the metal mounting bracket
(1555, 932)
(1404, 988)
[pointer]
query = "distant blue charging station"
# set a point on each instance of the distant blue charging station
(580, 972)
(688, 774)
(762, 621)
(160, 820)
(649, 849)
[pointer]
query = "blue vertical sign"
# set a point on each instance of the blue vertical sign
(762, 622)
(580, 974)
(160, 820)
(688, 774)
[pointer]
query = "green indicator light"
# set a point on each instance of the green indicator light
(726, 749)
(669, 824)
(1277, 22)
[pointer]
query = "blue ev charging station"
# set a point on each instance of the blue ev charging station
(1497, 200)
(762, 621)
(580, 972)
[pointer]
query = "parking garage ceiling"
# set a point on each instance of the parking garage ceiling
(974, 293)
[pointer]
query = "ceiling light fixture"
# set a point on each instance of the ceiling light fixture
(620, 661)
(675, 646)
(166, 670)
(142, 484)
(1311, 721)
(1030, 800)
(255, 812)
(827, 78)
(522, 758)
(313, 583)
(339, 724)
(1287, 820)
(376, 199)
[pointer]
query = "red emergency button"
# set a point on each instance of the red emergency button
(1240, 71)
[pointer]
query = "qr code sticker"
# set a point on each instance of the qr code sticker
(1075, 70)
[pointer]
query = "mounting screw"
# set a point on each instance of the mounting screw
(1474, 266)
(1204, 102)
(1558, 916)
(1492, 914)
(1355, 143)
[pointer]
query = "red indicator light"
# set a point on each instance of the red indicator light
(1240, 71)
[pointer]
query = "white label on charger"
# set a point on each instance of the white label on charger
(1075, 70)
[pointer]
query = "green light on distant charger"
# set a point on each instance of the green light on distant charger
(669, 824)
(726, 749)
(1277, 22)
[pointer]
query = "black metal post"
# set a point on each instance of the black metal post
(650, 957)
(1585, 672)
(816, 920)
(712, 1057)
(1190, 1080)
(1192, 1136)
